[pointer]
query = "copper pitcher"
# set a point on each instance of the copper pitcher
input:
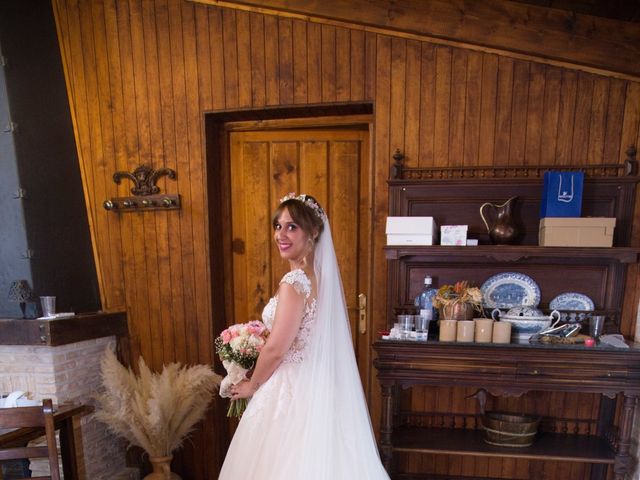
(503, 229)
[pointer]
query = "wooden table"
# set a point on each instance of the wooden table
(63, 419)
(512, 370)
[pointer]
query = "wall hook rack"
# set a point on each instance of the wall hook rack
(146, 194)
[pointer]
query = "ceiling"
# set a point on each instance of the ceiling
(626, 10)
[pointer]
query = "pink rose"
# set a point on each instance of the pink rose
(256, 328)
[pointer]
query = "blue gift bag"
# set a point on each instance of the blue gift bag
(562, 194)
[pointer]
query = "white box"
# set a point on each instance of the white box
(393, 239)
(453, 234)
(411, 231)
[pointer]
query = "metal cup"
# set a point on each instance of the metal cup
(48, 306)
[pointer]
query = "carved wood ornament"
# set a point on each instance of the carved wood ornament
(144, 180)
(399, 172)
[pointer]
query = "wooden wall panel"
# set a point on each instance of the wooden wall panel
(519, 29)
(300, 61)
(488, 101)
(314, 55)
(142, 74)
(411, 77)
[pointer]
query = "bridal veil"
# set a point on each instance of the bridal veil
(335, 439)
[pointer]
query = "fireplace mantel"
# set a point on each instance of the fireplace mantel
(62, 331)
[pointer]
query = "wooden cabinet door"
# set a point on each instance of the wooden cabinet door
(330, 164)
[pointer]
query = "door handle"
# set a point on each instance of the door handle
(362, 313)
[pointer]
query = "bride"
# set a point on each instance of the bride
(307, 418)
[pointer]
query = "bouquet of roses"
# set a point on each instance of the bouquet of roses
(238, 347)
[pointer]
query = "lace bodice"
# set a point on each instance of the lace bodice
(301, 283)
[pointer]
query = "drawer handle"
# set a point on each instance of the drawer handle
(535, 372)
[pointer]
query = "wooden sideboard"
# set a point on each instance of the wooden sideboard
(453, 196)
(513, 369)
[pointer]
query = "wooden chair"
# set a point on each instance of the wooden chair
(32, 417)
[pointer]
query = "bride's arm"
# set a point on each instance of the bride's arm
(286, 324)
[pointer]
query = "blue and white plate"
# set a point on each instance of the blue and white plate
(571, 301)
(510, 289)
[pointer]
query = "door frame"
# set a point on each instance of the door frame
(217, 184)
(359, 121)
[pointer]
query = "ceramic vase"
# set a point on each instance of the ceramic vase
(161, 469)
(457, 311)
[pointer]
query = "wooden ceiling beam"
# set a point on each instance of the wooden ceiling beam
(521, 30)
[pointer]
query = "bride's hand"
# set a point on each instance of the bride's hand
(244, 389)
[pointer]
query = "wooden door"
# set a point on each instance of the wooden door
(330, 164)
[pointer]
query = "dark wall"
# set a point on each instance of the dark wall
(13, 238)
(44, 163)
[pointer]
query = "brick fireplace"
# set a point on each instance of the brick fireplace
(68, 372)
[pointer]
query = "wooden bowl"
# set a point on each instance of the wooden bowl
(509, 430)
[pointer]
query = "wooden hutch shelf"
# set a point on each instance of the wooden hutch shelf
(548, 446)
(515, 253)
(454, 197)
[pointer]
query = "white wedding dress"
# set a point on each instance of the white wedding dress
(295, 426)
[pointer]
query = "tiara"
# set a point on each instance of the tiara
(308, 201)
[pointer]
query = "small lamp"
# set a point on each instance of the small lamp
(20, 292)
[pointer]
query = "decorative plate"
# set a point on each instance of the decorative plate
(571, 301)
(510, 289)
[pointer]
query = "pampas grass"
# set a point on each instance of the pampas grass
(155, 411)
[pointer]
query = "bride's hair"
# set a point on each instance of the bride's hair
(303, 214)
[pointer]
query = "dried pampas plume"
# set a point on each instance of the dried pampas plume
(154, 411)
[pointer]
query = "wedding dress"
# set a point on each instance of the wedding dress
(309, 420)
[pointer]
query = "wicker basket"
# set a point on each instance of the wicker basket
(508, 430)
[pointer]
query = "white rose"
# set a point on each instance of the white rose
(236, 343)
